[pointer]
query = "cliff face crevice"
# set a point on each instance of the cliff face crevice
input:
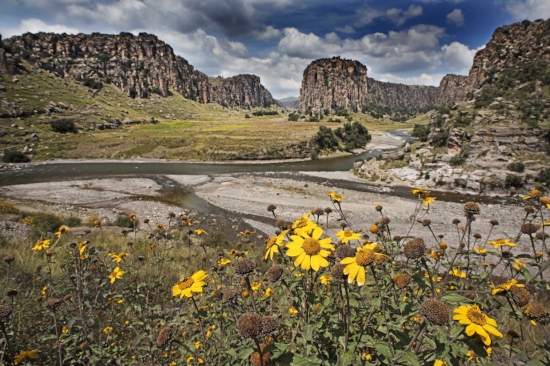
(329, 83)
(137, 65)
(414, 98)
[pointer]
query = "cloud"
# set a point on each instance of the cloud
(456, 17)
(528, 9)
(34, 25)
(459, 57)
(231, 17)
(423, 79)
(440, 1)
(269, 34)
(348, 29)
(396, 15)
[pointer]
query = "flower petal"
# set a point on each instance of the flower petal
(315, 262)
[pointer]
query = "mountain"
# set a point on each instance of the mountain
(137, 65)
(410, 98)
(290, 102)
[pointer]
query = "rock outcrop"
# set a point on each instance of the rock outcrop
(138, 65)
(240, 90)
(290, 102)
(452, 88)
(330, 83)
(413, 98)
(6, 64)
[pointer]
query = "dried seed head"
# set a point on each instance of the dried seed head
(230, 296)
(538, 313)
(5, 312)
(529, 229)
(275, 273)
(456, 221)
(67, 298)
(374, 229)
(541, 235)
(471, 208)
(271, 208)
(52, 304)
(269, 325)
(83, 346)
(477, 235)
(343, 225)
(319, 212)
(471, 295)
(401, 280)
(328, 210)
(249, 325)
(244, 267)
(415, 248)
(435, 311)
(512, 333)
(8, 258)
(397, 238)
(494, 222)
(266, 358)
(507, 254)
(344, 251)
(520, 296)
(443, 245)
(385, 221)
(529, 209)
(378, 208)
(164, 337)
(337, 272)
(281, 224)
(12, 292)
(426, 222)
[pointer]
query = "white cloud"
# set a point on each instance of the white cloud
(528, 9)
(34, 25)
(456, 17)
(423, 79)
(396, 15)
(459, 57)
(269, 34)
(439, 1)
(348, 29)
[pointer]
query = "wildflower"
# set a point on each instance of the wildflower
(458, 273)
(325, 279)
(245, 233)
(186, 286)
(107, 330)
(97, 224)
(303, 225)
(480, 250)
(344, 251)
(41, 245)
(82, 250)
(223, 261)
(428, 200)
(337, 198)
(44, 290)
(118, 257)
(133, 217)
(440, 363)
(476, 322)
(366, 356)
(434, 254)
(355, 266)
(518, 265)
(268, 292)
(537, 313)
(501, 243)
(401, 280)
(420, 192)
(520, 296)
(160, 227)
(192, 358)
(64, 330)
(273, 243)
(293, 311)
(374, 229)
(309, 251)
(506, 286)
(331, 194)
(346, 236)
(535, 193)
(255, 286)
(23, 355)
(62, 230)
(116, 274)
(200, 232)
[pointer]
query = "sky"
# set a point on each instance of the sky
(413, 42)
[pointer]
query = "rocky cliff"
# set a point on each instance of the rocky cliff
(138, 65)
(452, 88)
(413, 98)
(240, 90)
(6, 65)
(330, 83)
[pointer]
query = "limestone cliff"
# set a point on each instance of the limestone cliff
(413, 98)
(240, 90)
(6, 64)
(330, 83)
(452, 88)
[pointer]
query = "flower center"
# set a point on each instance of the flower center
(186, 283)
(348, 233)
(476, 316)
(271, 242)
(311, 246)
(301, 223)
(364, 257)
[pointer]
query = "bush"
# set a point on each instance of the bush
(421, 132)
(247, 115)
(124, 221)
(14, 156)
(92, 83)
(457, 160)
(132, 93)
(63, 126)
(440, 139)
(73, 221)
(293, 117)
(544, 177)
(517, 167)
(514, 181)
(325, 139)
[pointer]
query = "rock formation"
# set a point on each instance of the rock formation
(414, 98)
(290, 102)
(6, 65)
(138, 65)
(330, 83)
(452, 88)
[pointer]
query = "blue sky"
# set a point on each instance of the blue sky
(410, 42)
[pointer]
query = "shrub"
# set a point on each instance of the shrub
(517, 167)
(14, 156)
(293, 117)
(440, 139)
(63, 126)
(247, 116)
(132, 93)
(421, 132)
(8, 208)
(457, 160)
(73, 221)
(124, 221)
(514, 181)
(92, 83)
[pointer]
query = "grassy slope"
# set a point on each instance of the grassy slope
(187, 130)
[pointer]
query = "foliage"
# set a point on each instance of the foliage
(92, 83)
(265, 113)
(353, 135)
(513, 180)
(440, 139)
(293, 116)
(421, 132)
(14, 156)
(63, 126)
(517, 167)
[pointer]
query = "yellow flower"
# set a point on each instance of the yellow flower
(428, 200)
(434, 255)
(44, 290)
(309, 251)
(255, 286)
(97, 224)
(246, 233)
(186, 286)
(326, 279)
(476, 322)
(547, 223)
(200, 232)
(268, 292)
(293, 311)
(440, 363)
(82, 250)
(116, 274)
(41, 245)
(118, 257)
(107, 330)
(23, 355)
(303, 225)
(535, 193)
(160, 227)
(273, 244)
(197, 344)
(64, 330)
(133, 217)
(501, 243)
(347, 235)
(480, 250)
(355, 266)
(519, 265)
(173, 363)
(62, 230)
(366, 357)
(331, 194)
(224, 261)
(506, 286)
(458, 273)
(337, 198)
(191, 358)
(420, 192)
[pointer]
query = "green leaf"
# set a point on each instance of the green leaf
(455, 298)
(411, 358)
(535, 363)
(527, 274)
(298, 360)
(383, 348)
